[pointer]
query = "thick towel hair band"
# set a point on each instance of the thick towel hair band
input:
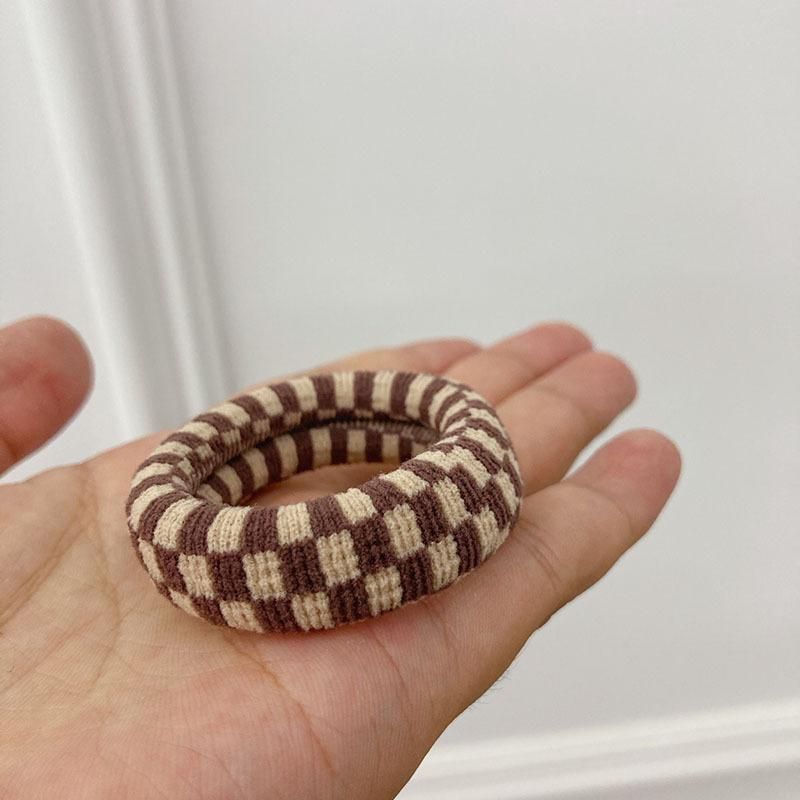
(403, 534)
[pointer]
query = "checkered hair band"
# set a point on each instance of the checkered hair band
(402, 535)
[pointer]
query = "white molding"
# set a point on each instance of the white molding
(108, 81)
(619, 761)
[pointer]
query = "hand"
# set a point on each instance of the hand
(106, 690)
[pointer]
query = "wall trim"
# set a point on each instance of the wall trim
(621, 760)
(109, 85)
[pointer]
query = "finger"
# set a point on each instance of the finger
(514, 362)
(431, 355)
(551, 420)
(569, 536)
(496, 371)
(45, 374)
(576, 529)
(630, 478)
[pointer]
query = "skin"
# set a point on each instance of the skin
(106, 690)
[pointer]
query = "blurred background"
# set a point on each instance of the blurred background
(214, 193)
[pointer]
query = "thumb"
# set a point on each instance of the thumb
(45, 375)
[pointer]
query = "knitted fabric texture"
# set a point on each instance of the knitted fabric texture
(404, 534)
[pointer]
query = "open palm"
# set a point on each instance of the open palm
(107, 690)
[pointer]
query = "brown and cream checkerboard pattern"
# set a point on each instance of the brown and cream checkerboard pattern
(336, 559)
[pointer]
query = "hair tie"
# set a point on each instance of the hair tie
(400, 536)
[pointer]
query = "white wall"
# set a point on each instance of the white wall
(311, 178)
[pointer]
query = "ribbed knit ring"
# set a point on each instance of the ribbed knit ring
(401, 535)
